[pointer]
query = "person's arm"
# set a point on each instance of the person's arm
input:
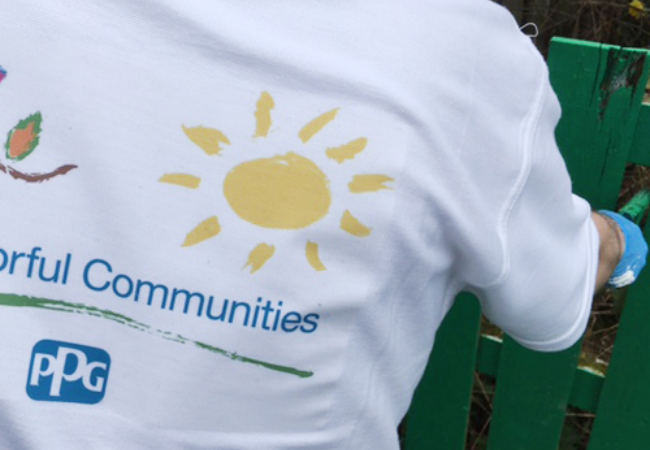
(623, 250)
(612, 246)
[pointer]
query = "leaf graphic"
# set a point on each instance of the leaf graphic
(23, 139)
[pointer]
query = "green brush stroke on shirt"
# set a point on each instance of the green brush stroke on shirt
(78, 308)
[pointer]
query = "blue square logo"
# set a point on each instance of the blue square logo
(65, 372)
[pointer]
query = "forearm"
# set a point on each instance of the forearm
(612, 247)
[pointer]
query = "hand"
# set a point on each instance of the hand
(634, 254)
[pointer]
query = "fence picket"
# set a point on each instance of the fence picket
(600, 88)
(439, 413)
(623, 416)
(531, 398)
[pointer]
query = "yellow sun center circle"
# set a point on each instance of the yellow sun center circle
(285, 192)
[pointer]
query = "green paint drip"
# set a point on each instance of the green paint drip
(79, 308)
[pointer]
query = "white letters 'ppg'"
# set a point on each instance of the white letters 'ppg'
(47, 365)
(67, 372)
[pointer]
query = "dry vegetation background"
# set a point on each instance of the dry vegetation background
(619, 22)
(625, 23)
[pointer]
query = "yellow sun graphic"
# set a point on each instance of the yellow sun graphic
(286, 192)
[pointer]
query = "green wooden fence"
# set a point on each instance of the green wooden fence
(604, 126)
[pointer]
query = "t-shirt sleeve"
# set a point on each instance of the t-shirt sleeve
(542, 298)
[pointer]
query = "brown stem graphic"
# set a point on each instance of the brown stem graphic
(36, 177)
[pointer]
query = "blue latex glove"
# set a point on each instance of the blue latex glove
(634, 257)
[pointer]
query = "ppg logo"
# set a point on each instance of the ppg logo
(64, 372)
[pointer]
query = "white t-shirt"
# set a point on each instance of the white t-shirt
(238, 224)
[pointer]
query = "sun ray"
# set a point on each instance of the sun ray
(205, 230)
(181, 179)
(208, 139)
(311, 250)
(369, 183)
(259, 256)
(347, 151)
(313, 127)
(351, 225)
(263, 114)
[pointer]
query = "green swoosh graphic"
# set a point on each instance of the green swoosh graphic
(79, 308)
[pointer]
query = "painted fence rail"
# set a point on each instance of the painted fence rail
(604, 127)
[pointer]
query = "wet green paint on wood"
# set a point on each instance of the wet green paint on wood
(531, 397)
(439, 414)
(623, 416)
(587, 386)
(640, 152)
(587, 382)
(600, 88)
(489, 355)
